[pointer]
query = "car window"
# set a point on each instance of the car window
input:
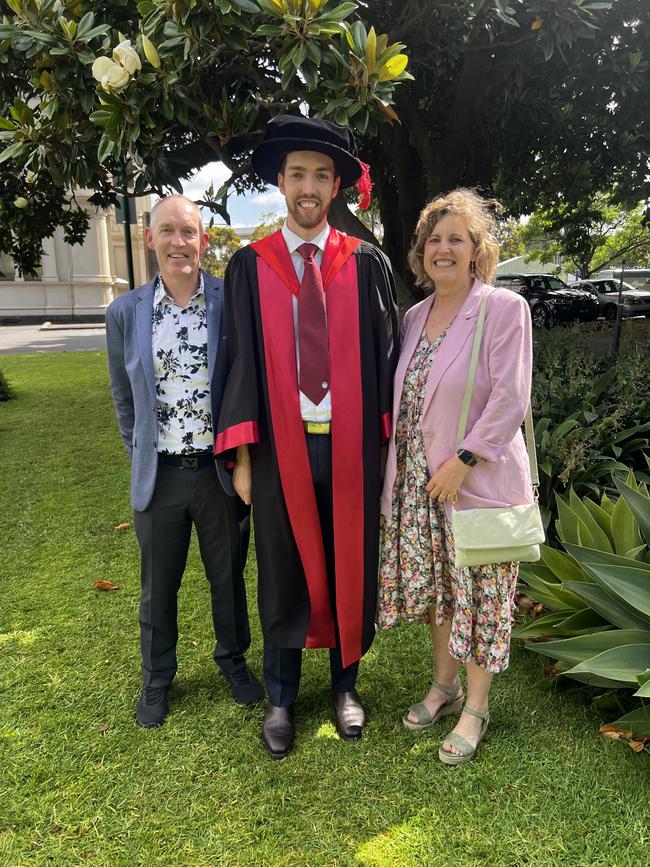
(518, 286)
(537, 283)
(555, 283)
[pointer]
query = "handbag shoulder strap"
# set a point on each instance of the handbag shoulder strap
(469, 388)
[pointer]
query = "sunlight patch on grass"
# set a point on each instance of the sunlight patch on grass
(20, 637)
(327, 730)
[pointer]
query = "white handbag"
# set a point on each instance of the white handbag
(498, 535)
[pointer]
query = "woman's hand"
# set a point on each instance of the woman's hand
(447, 479)
(241, 476)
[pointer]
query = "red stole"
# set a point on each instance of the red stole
(276, 274)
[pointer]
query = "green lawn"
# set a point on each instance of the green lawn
(80, 783)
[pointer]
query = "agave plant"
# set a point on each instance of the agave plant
(598, 594)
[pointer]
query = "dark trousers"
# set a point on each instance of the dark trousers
(282, 665)
(183, 497)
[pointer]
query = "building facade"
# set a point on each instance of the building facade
(78, 283)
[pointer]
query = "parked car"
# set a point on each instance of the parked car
(636, 302)
(550, 300)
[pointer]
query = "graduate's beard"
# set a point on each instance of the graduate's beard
(308, 219)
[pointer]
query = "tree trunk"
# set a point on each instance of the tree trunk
(342, 218)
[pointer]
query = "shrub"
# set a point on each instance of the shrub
(598, 593)
(588, 415)
(6, 392)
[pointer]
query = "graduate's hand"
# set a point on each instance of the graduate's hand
(241, 476)
(447, 479)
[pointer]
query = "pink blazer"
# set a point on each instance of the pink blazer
(499, 401)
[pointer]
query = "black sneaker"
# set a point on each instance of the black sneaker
(152, 707)
(244, 686)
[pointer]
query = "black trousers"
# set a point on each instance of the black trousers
(282, 665)
(183, 497)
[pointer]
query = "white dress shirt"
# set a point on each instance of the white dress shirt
(179, 342)
(308, 410)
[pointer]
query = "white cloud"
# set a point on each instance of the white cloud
(272, 199)
(212, 173)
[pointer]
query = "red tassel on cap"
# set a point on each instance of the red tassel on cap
(364, 186)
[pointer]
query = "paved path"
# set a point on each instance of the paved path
(15, 339)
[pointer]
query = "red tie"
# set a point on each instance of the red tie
(312, 329)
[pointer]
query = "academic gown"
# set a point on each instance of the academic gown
(261, 408)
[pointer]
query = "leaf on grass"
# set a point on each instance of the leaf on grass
(105, 585)
(637, 744)
(103, 729)
(126, 525)
(611, 730)
(537, 609)
(550, 672)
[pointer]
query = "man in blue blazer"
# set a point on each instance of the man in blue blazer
(166, 357)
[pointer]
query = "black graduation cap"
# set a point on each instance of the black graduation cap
(286, 133)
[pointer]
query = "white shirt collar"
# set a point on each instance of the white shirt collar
(293, 241)
(160, 292)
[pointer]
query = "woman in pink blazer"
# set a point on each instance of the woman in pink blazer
(469, 610)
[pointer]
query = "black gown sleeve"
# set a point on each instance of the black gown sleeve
(238, 422)
(385, 326)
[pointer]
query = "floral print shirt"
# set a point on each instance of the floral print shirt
(180, 359)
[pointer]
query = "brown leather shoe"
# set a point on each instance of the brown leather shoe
(278, 730)
(349, 715)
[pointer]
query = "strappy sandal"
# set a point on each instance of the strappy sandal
(467, 751)
(425, 720)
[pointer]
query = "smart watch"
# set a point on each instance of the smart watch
(467, 457)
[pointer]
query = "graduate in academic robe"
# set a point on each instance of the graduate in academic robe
(311, 328)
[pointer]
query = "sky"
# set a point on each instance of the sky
(245, 210)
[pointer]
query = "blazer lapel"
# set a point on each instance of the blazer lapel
(411, 339)
(456, 338)
(213, 310)
(143, 317)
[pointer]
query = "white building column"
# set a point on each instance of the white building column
(49, 273)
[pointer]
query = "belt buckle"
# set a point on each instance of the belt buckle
(189, 463)
(318, 427)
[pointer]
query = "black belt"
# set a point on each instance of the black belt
(187, 462)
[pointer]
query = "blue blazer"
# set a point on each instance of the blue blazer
(133, 382)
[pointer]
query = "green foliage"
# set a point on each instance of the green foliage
(137, 95)
(6, 392)
(510, 238)
(589, 234)
(222, 244)
(270, 222)
(591, 417)
(598, 592)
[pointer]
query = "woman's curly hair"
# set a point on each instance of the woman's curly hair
(481, 223)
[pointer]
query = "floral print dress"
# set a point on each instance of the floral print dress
(417, 560)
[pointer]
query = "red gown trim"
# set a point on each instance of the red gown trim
(274, 251)
(236, 435)
(347, 453)
(340, 272)
(385, 424)
(291, 448)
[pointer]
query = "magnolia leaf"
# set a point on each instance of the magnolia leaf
(105, 585)
(388, 111)
(126, 525)
(537, 23)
